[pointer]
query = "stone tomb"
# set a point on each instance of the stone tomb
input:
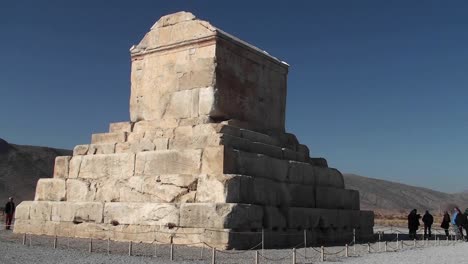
(204, 157)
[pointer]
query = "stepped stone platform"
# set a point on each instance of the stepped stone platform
(204, 157)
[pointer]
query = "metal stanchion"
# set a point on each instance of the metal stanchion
(322, 254)
(414, 243)
(55, 242)
(90, 246)
(108, 246)
(213, 256)
(201, 251)
(172, 251)
(385, 246)
(256, 256)
(354, 241)
(305, 244)
(346, 251)
(294, 256)
(263, 242)
(24, 239)
(130, 248)
(368, 248)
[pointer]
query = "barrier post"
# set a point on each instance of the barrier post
(322, 254)
(90, 245)
(55, 242)
(201, 251)
(108, 246)
(24, 239)
(385, 246)
(379, 240)
(368, 248)
(305, 244)
(130, 248)
(414, 243)
(263, 242)
(171, 253)
(213, 256)
(346, 251)
(354, 241)
(256, 256)
(294, 256)
(30, 240)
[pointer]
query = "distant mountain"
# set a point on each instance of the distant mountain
(21, 167)
(386, 195)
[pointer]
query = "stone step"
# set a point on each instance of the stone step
(211, 160)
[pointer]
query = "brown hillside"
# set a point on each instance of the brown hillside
(21, 167)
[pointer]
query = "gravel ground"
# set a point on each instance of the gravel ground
(76, 251)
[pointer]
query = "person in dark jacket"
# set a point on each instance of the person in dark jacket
(428, 220)
(459, 220)
(465, 216)
(9, 212)
(446, 223)
(413, 223)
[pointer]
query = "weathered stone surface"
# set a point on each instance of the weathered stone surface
(79, 190)
(77, 212)
(80, 150)
(120, 127)
(22, 210)
(61, 166)
(141, 214)
(40, 211)
(143, 145)
(50, 190)
(101, 149)
(105, 138)
(329, 177)
(273, 218)
(115, 165)
(221, 215)
(168, 162)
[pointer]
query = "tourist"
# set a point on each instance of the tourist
(458, 222)
(413, 223)
(465, 217)
(446, 223)
(9, 212)
(428, 220)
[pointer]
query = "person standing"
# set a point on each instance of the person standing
(413, 223)
(458, 223)
(446, 223)
(9, 212)
(428, 220)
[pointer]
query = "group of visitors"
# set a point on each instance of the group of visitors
(458, 220)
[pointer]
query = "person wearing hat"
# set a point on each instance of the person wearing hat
(9, 212)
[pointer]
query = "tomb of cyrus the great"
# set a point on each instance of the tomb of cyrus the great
(204, 158)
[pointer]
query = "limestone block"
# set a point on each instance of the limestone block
(40, 211)
(273, 218)
(101, 149)
(104, 138)
(223, 215)
(180, 104)
(156, 133)
(80, 150)
(142, 145)
(168, 162)
(75, 164)
(194, 142)
(289, 154)
(77, 212)
(50, 190)
(329, 177)
(61, 166)
(141, 213)
(161, 143)
(303, 149)
(215, 128)
(206, 101)
(235, 143)
(107, 191)
(366, 219)
(157, 124)
(135, 233)
(258, 137)
(268, 150)
(301, 195)
(219, 160)
(80, 191)
(22, 210)
(119, 165)
(348, 219)
(260, 165)
(220, 188)
(123, 147)
(318, 162)
(301, 173)
(120, 127)
(328, 219)
(303, 218)
(330, 198)
(135, 137)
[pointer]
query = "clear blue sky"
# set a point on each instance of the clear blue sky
(379, 88)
